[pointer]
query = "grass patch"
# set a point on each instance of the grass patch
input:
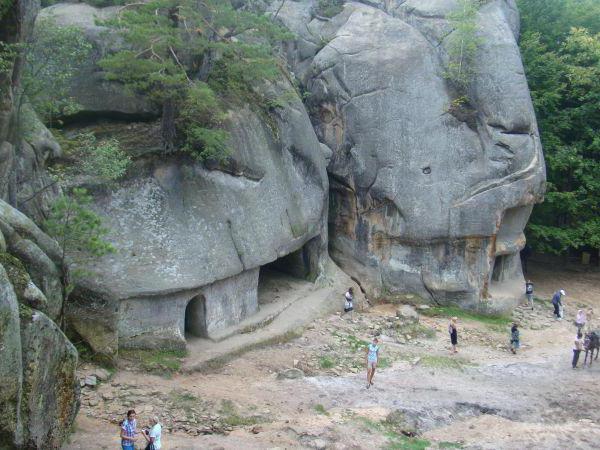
(444, 362)
(383, 363)
(455, 311)
(353, 342)
(320, 409)
(231, 417)
(326, 363)
(184, 400)
(396, 440)
(160, 362)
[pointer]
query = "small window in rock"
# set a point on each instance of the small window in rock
(427, 170)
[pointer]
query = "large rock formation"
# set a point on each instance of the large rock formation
(429, 193)
(427, 196)
(194, 234)
(38, 388)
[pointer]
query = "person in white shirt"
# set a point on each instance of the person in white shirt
(153, 435)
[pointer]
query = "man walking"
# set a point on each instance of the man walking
(557, 303)
(372, 357)
(529, 292)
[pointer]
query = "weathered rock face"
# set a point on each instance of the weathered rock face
(425, 197)
(185, 230)
(38, 386)
(38, 390)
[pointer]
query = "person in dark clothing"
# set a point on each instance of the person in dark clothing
(515, 341)
(577, 349)
(557, 302)
(452, 329)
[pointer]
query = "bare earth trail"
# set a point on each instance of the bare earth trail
(483, 397)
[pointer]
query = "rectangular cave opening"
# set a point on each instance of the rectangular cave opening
(286, 276)
(195, 317)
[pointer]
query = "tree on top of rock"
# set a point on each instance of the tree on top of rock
(192, 58)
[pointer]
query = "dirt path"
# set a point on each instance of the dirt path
(484, 397)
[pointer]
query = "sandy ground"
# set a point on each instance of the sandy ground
(482, 398)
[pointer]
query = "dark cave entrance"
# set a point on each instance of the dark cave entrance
(287, 274)
(195, 317)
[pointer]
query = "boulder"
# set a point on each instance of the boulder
(50, 395)
(187, 230)
(421, 189)
(407, 314)
(11, 366)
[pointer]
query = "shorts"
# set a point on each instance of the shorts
(371, 364)
(348, 309)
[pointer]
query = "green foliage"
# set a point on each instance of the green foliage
(326, 363)
(329, 8)
(463, 43)
(231, 417)
(8, 53)
(76, 227)
(52, 57)
(560, 44)
(194, 59)
(160, 362)
(444, 362)
(455, 311)
(320, 409)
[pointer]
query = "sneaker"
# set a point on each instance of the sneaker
(368, 386)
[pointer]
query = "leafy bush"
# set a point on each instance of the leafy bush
(102, 159)
(462, 43)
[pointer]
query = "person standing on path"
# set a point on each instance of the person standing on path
(557, 303)
(580, 320)
(577, 349)
(128, 431)
(515, 340)
(453, 331)
(349, 302)
(529, 292)
(372, 358)
(153, 435)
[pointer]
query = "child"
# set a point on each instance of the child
(372, 357)
(453, 330)
(515, 341)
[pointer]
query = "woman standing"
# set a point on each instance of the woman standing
(515, 341)
(453, 330)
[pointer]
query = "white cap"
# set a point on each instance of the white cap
(562, 292)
